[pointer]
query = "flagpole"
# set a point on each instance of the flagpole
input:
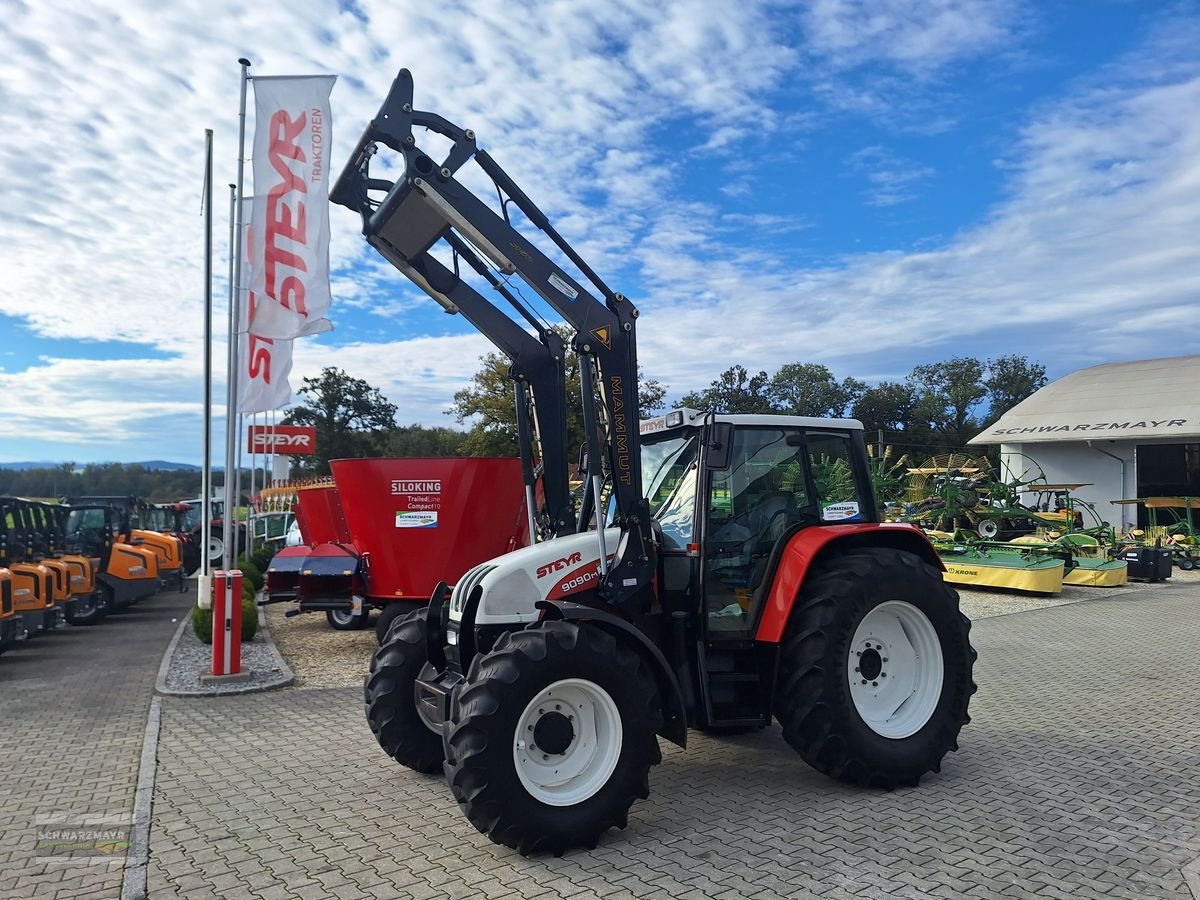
(253, 480)
(237, 481)
(235, 320)
(206, 474)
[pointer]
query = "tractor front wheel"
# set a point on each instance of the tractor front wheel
(875, 669)
(552, 736)
(389, 698)
(393, 611)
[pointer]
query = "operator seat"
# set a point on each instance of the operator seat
(769, 518)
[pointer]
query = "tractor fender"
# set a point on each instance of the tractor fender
(674, 714)
(809, 545)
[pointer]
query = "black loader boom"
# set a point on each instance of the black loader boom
(428, 205)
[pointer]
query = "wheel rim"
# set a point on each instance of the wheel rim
(988, 529)
(428, 672)
(895, 669)
(580, 724)
(341, 618)
(216, 548)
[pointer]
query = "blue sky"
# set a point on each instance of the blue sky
(870, 185)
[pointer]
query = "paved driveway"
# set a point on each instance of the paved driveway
(72, 715)
(1080, 777)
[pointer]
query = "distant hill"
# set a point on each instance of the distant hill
(156, 465)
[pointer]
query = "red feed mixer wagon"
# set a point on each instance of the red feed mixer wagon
(388, 530)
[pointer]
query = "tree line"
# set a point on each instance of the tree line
(937, 406)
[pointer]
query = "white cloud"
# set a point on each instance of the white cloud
(101, 143)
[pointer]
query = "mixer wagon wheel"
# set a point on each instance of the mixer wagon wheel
(347, 621)
(389, 698)
(875, 669)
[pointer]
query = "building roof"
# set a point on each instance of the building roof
(1149, 398)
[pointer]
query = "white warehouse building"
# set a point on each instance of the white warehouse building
(1124, 430)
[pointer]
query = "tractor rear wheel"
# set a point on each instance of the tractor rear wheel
(389, 698)
(552, 736)
(87, 612)
(347, 620)
(875, 669)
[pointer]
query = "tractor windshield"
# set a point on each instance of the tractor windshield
(669, 475)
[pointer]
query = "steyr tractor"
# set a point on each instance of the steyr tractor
(737, 572)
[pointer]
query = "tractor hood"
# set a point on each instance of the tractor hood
(512, 584)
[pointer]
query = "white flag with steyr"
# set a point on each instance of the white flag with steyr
(289, 277)
(264, 363)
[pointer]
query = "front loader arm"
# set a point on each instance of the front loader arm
(428, 204)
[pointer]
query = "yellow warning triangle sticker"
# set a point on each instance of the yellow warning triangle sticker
(602, 335)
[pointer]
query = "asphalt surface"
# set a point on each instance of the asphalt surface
(73, 708)
(1079, 777)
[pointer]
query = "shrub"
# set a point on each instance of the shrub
(262, 558)
(202, 621)
(250, 573)
(202, 624)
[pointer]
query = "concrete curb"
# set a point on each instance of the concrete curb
(137, 859)
(286, 675)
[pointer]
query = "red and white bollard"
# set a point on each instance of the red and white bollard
(227, 623)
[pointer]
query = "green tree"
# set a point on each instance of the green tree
(809, 389)
(734, 391)
(489, 404)
(417, 440)
(888, 406)
(948, 396)
(351, 417)
(1009, 380)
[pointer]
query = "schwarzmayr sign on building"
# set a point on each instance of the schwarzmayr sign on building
(1122, 427)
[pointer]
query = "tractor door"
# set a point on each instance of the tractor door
(778, 480)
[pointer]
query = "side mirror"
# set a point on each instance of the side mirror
(720, 445)
(583, 460)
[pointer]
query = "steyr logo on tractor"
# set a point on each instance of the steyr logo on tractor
(294, 440)
(559, 564)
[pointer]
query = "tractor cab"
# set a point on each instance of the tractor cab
(723, 490)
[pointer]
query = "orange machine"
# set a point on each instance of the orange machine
(33, 585)
(125, 573)
(12, 627)
(167, 548)
(85, 606)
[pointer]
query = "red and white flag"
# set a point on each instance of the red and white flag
(263, 363)
(289, 277)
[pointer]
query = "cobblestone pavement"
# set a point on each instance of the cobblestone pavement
(1080, 777)
(72, 715)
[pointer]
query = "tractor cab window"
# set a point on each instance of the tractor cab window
(669, 470)
(762, 494)
(87, 530)
(830, 455)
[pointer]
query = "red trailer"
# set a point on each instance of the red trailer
(388, 530)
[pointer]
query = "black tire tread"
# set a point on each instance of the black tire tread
(514, 657)
(811, 723)
(388, 698)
